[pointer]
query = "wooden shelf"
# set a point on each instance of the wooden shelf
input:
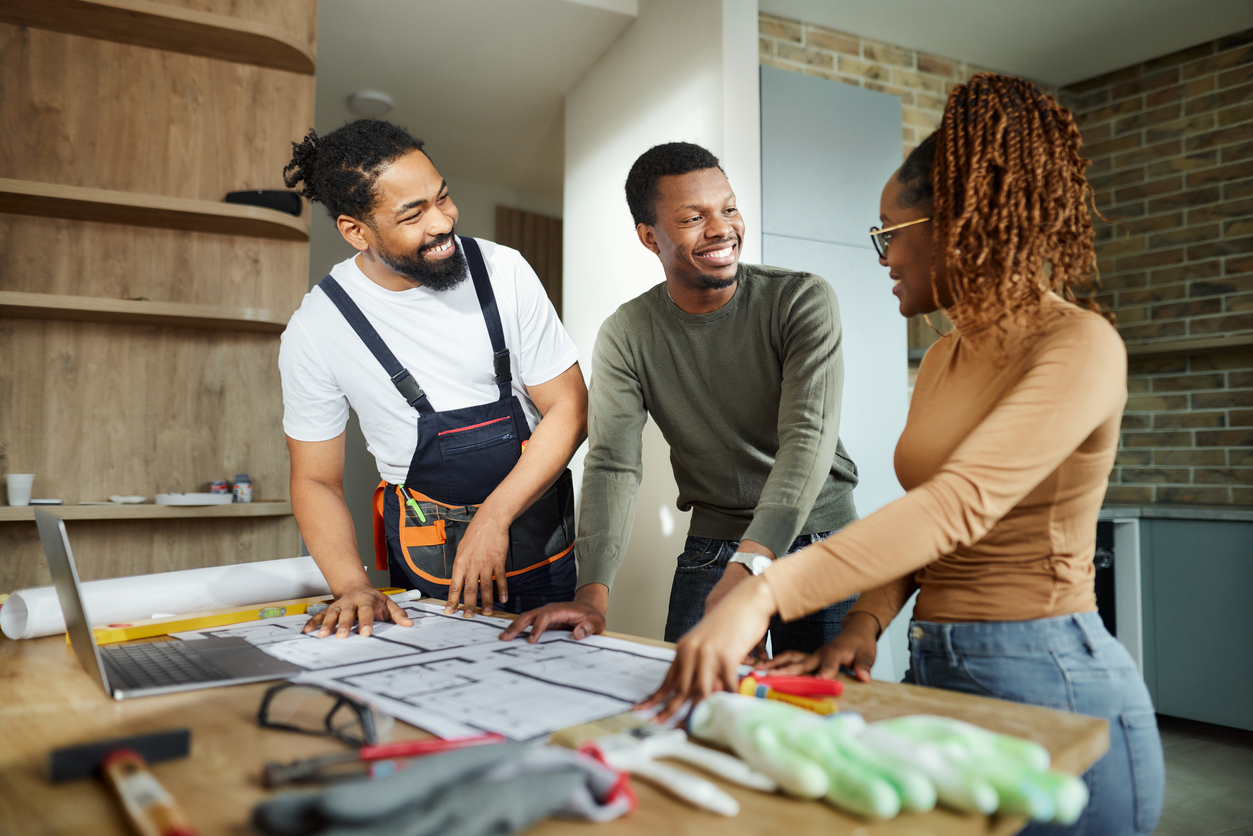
(52, 200)
(1186, 347)
(147, 512)
(139, 312)
(160, 26)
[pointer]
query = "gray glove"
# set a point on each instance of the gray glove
(479, 791)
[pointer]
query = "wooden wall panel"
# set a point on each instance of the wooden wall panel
(298, 18)
(76, 258)
(538, 238)
(112, 116)
(94, 410)
(115, 549)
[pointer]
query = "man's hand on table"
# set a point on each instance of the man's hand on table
(855, 647)
(363, 604)
(480, 558)
(584, 616)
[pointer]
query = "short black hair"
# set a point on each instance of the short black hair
(915, 173)
(340, 170)
(655, 163)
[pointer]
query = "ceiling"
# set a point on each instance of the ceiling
(482, 82)
(1054, 41)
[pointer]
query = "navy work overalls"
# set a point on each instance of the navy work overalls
(462, 455)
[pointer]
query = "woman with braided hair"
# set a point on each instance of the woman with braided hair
(1005, 456)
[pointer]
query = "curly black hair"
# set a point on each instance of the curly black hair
(915, 173)
(655, 163)
(340, 170)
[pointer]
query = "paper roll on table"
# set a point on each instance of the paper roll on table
(30, 613)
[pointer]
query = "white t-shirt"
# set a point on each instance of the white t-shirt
(439, 336)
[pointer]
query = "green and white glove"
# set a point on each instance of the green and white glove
(906, 763)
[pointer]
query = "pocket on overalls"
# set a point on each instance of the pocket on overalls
(414, 536)
(1148, 768)
(482, 453)
(424, 535)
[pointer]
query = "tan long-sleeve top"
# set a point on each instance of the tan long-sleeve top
(1005, 458)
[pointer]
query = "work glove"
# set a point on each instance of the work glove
(496, 790)
(880, 769)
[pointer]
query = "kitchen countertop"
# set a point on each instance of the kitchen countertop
(1225, 513)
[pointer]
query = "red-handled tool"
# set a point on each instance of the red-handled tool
(802, 686)
(321, 768)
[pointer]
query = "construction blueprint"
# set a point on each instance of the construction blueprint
(453, 676)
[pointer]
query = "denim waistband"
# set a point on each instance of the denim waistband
(1064, 632)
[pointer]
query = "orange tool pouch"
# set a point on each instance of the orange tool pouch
(430, 533)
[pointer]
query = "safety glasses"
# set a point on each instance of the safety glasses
(882, 237)
(312, 710)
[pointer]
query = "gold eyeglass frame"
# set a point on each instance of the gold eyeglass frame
(875, 232)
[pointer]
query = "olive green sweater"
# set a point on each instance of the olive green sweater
(748, 398)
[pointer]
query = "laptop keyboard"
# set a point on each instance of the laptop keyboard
(160, 663)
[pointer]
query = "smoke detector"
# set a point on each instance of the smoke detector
(370, 103)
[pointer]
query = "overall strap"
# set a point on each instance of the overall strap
(404, 382)
(491, 315)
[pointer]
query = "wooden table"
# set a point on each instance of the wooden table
(47, 701)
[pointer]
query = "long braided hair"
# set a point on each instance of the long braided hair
(1010, 215)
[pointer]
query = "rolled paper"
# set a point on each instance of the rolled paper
(30, 613)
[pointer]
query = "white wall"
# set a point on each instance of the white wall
(682, 72)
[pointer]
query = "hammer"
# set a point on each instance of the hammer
(123, 763)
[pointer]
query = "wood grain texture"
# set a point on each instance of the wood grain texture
(133, 312)
(167, 27)
(298, 19)
(538, 238)
(149, 512)
(102, 115)
(78, 258)
(96, 410)
(51, 702)
(111, 549)
(52, 200)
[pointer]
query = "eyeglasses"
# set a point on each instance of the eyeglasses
(882, 237)
(312, 710)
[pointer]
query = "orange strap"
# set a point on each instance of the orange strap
(380, 529)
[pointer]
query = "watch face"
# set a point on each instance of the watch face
(758, 564)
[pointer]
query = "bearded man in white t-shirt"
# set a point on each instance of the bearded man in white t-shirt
(467, 388)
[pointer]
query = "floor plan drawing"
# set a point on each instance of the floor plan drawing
(520, 690)
(454, 676)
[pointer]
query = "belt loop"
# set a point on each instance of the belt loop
(946, 630)
(1088, 641)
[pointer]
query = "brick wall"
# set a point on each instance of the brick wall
(1171, 144)
(1172, 147)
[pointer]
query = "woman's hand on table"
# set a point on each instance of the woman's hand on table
(708, 657)
(855, 647)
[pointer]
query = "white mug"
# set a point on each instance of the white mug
(19, 487)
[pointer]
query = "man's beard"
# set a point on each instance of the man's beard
(715, 283)
(441, 275)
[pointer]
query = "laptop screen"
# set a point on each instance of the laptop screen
(56, 545)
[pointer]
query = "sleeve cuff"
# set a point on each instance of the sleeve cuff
(774, 528)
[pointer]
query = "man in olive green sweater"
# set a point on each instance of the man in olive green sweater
(741, 368)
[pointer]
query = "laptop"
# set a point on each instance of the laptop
(142, 670)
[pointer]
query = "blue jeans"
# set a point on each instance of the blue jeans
(700, 568)
(1070, 663)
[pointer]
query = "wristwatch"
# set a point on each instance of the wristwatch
(754, 563)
